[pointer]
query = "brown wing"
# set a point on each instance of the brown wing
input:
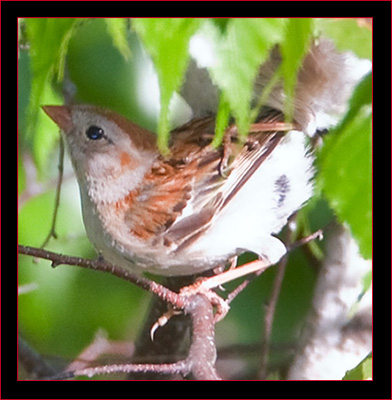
(169, 186)
(213, 191)
(193, 177)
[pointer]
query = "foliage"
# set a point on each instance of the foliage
(346, 167)
(362, 371)
(167, 42)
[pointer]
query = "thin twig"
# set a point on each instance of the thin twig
(97, 348)
(69, 92)
(200, 361)
(234, 293)
(52, 231)
(99, 265)
(316, 235)
(171, 342)
(301, 242)
(242, 286)
(271, 306)
(269, 317)
(202, 353)
(180, 367)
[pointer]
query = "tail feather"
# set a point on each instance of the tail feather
(325, 82)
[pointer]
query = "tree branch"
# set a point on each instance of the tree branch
(200, 361)
(202, 354)
(99, 265)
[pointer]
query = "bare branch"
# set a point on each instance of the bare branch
(269, 317)
(98, 347)
(277, 285)
(200, 361)
(52, 231)
(202, 353)
(100, 265)
(171, 342)
(195, 300)
(338, 330)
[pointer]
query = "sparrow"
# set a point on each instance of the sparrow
(191, 211)
(201, 206)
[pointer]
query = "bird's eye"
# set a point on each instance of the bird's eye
(95, 132)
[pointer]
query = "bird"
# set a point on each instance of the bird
(200, 206)
(191, 211)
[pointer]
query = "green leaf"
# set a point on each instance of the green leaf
(361, 96)
(294, 48)
(221, 23)
(222, 120)
(109, 80)
(367, 282)
(346, 171)
(347, 34)
(241, 48)
(21, 176)
(361, 372)
(48, 39)
(118, 30)
(46, 133)
(166, 39)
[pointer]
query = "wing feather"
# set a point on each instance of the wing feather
(181, 195)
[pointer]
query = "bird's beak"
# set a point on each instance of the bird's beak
(61, 115)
